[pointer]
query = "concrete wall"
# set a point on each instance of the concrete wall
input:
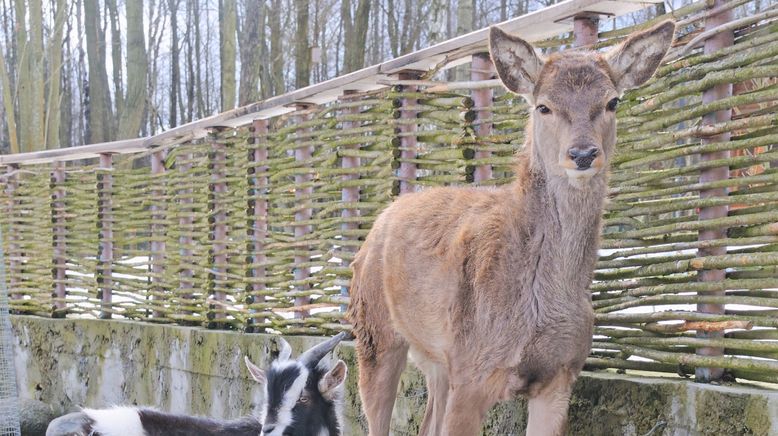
(95, 363)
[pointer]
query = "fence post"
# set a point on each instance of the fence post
(350, 193)
(157, 231)
(58, 271)
(302, 193)
(186, 228)
(713, 44)
(585, 29)
(14, 260)
(407, 142)
(257, 215)
(105, 224)
(482, 68)
(218, 221)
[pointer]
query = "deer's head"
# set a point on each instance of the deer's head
(574, 95)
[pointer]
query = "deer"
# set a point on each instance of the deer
(486, 287)
(303, 396)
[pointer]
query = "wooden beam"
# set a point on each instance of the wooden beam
(534, 26)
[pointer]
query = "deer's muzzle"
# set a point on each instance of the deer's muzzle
(583, 156)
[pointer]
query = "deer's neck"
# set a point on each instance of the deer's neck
(564, 227)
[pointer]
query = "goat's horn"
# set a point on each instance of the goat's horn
(286, 350)
(315, 354)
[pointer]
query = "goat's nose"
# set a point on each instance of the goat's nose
(267, 429)
(583, 156)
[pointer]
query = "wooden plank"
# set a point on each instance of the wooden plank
(534, 26)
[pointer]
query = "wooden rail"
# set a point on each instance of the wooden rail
(534, 26)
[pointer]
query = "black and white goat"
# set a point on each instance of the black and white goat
(302, 397)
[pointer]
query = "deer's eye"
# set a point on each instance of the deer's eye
(611, 106)
(543, 109)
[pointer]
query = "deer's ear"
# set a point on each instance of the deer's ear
(256, 372)
(518, 66)
(332, 379)
(637, 58)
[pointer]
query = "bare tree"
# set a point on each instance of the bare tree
(100, 113)
(137, 70)
(302, 50)
(250, 53)
(227, 30)
(53, 100)
(355, 32)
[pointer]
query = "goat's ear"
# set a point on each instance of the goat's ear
(256, 372)
(637, 58)
(332, 379)
(518, 66)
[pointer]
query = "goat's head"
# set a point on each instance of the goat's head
(574, 95)
(302, 396)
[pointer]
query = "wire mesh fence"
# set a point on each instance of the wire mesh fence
(9, 400)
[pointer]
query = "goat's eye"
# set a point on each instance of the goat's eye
(543, 109)
(611, 106)
(304, 399)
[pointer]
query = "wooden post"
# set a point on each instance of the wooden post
(257, 215)
(58, 270)
(303, 194)
(349, 194)
(14, 257)
(157, 231)
(218, 221)
(407, 142)
(715, 43)
(482, 68)
(186, 228)
(105, 224)
(585, 27)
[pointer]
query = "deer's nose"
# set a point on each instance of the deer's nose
(583, 156)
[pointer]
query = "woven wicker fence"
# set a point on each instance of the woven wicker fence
(253, 228)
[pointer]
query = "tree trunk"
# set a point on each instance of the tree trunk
(355, 35)
(30, 83)
(265, 80)
(250, 48)
(137, 70)
(197, 47)
(175, 69)
(99, 99)
(302, 51)
(227, 29)
(116, 58)
(465, 10)
(66, 128)
(276, 48)
(8, 105)
(53, 101)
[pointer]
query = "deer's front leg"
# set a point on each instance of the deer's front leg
(548, 408)
(466, 409)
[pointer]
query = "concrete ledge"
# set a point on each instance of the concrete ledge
(70, 363)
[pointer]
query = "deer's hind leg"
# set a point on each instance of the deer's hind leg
(381, 352)
(437, 395)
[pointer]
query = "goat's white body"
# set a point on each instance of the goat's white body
(117, 421)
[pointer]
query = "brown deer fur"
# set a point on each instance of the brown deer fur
(487, 287)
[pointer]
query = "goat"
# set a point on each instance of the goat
(302, 397)
(487, 287)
